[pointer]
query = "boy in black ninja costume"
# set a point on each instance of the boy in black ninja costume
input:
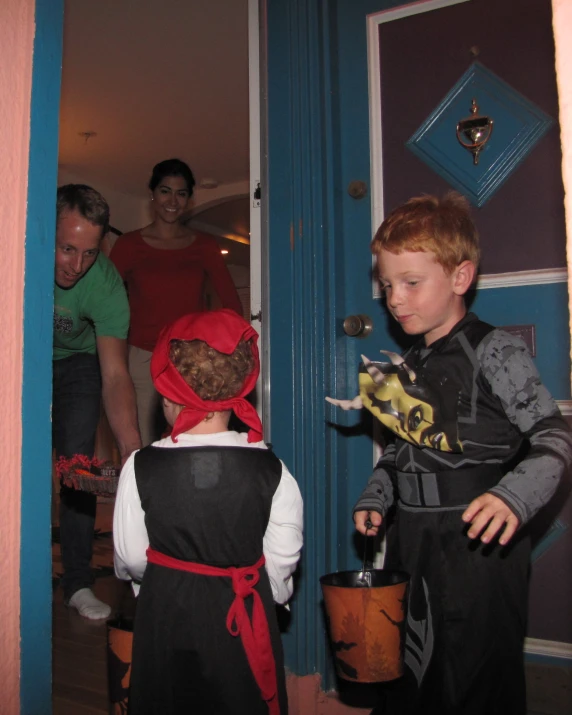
(455, 469)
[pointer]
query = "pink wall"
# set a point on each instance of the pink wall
(16, 48)
(562, 22)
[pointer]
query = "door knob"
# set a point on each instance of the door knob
(358, 326)
(357, 189)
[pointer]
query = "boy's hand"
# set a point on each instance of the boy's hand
(488, 508)
(360, 518)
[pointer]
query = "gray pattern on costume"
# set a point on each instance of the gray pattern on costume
(472, 358)
(378, 495)
(420, 640)
(514, 378)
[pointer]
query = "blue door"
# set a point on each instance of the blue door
(319, 274)
(320, 265)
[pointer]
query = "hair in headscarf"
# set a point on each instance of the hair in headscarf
(225, 332)
(212, 375)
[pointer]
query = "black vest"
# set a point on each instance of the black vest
(207, 504)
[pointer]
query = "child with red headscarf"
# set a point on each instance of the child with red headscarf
(210, 522)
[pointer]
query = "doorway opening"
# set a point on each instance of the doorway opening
(141, 83)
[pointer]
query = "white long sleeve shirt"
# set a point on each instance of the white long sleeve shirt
(282, 541)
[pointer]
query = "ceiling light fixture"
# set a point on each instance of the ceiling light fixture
(223, 251)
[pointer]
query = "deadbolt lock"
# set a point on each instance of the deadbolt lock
(358, 326)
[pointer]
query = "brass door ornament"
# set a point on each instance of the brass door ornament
(474, 131)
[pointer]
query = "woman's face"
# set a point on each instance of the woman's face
(170, 198)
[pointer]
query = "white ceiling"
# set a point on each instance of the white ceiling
(155, 79)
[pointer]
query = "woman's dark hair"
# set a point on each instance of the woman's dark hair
(172, 167)
(88, 202)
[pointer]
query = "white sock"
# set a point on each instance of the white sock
(88, 605)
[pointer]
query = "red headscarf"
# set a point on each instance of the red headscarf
(221, 330)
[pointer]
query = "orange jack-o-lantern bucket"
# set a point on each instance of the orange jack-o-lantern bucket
(119, 648)
(367, 613)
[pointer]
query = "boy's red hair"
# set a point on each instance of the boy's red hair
(443, 227)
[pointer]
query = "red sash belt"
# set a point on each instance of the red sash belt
(255, 636)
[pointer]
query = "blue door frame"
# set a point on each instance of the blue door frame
(319, 265)
(35, 553)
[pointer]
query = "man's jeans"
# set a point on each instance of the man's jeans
(75, 415)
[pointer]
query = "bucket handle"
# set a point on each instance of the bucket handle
(364, 579)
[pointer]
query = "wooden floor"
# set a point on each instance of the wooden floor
(549, 689)
(80, 657)
(80, 667)
(79, 646)
(79, 652)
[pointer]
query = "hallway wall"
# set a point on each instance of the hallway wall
(16, 45)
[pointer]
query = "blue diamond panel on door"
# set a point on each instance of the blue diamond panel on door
(518, 125)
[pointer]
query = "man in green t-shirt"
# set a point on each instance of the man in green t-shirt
(91, 321)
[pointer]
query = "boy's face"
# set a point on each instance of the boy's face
(420, 295)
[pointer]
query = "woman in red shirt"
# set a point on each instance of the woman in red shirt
(165, 266)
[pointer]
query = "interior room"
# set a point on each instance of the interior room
(141, 83)
(124, 108)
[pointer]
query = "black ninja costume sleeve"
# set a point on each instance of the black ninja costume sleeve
(513, 377)
(379, 493)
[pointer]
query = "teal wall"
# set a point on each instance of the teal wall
(36, 564)
(545, 307)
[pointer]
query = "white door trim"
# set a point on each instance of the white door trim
(258, 262)
(549, 649)
(254, 139)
